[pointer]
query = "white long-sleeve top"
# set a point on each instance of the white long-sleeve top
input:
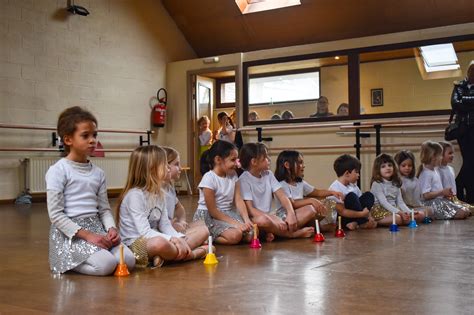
(144, 215)
(448, 177)
(389, 196)
(76, 190)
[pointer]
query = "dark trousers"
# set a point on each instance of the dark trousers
(352, 202)
(465, 178)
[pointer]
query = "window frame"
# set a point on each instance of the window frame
(353, 64)
(219, 83)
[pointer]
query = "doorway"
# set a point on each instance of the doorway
(210, 92)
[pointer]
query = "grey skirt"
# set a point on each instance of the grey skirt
(443, 209)
(216, 227)
(66, 254)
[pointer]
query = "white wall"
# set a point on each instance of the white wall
(110, 62)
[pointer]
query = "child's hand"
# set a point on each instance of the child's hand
(365, 213)
(447, 192)
(180, 226)
(319, 207)
(101, 241)
(291, 221)
(182, 247)
(338, 195)
(245, 227)
(113, 236)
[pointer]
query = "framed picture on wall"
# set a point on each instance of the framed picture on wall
(376, 97)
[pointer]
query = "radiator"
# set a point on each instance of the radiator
(115, 169)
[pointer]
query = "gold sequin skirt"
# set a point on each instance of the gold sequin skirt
(138, 248)
(463, 204)
(378, 212)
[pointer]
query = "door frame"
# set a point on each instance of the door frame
(193, 143)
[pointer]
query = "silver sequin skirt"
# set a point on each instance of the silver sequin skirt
(66, 254)
(443, 209)
(216, 227)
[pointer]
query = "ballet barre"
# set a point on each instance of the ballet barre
(54, 136)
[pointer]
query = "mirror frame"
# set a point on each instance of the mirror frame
(353, 56)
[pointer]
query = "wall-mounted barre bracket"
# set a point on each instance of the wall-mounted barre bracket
(147, 141)
(54, 139)
(259, 135)
(378, 145)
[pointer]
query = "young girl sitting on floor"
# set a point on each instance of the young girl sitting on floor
(219, 196)
(83, 236)
(386, 185)
(304, 197)
(410, 187)
(258, 185)
(175, 209)
(432, 192)
(143, 219)
(446, 172)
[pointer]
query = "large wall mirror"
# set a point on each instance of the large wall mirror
(409, 79)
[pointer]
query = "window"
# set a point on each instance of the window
(270, 89)
(252, 6)
(439, 57)
(225, 92)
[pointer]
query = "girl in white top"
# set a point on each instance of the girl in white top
(432, 192)
(83, 236)
(220, 204)
(309, 203)
(258, 185)
(175, 209)
(226, 129)
(447, 174)
(385, 187)
(143, 220)
(410, 187)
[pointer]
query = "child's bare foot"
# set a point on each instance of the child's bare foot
(158, 262)
(352, 226)
(269, 237)
(369, 225)
(303, 233)
(200, 252)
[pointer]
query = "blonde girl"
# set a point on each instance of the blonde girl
(220, 204)
(385, 187)
(309, 203)
(205, 134)
(176, 211)
(447, 174)
(431, 188)
(143, 218)
(258, 186)
(410, 187)
(83, 236)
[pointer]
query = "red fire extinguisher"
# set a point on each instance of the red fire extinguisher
(158, 109)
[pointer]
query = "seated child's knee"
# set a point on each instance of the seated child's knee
(233, 236)
(263, 221)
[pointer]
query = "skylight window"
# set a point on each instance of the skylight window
(252, 6)
(439, 57)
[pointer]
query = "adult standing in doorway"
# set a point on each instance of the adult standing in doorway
(462, 103)
(322, 109)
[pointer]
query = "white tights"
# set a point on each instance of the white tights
(104, 262)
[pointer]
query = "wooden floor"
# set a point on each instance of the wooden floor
(429, 270)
